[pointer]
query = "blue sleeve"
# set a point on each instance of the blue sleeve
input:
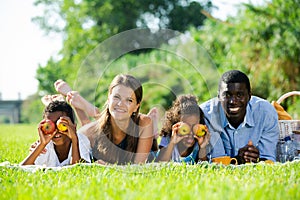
(269, 136)
(164, 141)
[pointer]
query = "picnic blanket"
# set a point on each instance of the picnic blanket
(136, 168)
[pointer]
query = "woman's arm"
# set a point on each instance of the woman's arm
(145, 139)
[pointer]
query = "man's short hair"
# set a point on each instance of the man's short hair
(235, 76)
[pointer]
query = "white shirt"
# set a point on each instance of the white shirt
(50, 158)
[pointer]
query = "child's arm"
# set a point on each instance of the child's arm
(76, 158)
(71, 133)
(203, 142)
(202, 155)
(44, 140)
(145, 139)
(30, 159)
(165, 153)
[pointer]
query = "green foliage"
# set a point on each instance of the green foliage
(150, 181)
(165, 72)
(85, 24)
(15, 141)
(32, 109)
(263, 41)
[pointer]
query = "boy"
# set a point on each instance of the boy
(62, 147)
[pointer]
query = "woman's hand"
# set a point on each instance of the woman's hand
(34, 145)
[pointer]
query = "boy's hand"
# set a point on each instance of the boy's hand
(71, 128)
(45, 138)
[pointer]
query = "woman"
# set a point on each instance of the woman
(121, 134)
(188, 148)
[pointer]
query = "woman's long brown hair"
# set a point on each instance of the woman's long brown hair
(104, 148)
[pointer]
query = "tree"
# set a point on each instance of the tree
(84, 24)
(263, 41)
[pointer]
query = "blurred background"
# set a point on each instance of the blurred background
(173, 46)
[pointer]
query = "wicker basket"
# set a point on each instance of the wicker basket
(287, 127)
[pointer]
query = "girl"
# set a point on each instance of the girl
(189, 148)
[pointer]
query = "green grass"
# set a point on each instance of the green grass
(151, 181)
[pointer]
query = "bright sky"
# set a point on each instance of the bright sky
(23, 45)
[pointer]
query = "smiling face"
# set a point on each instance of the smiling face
(59, 138)
(122, 103)
(191, 120)
(234, 98)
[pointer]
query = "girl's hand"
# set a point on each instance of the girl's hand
(204, 140)
(62, 87)
(175, 138)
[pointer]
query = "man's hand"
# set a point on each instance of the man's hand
(248, 153)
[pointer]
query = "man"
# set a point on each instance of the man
(248, 125)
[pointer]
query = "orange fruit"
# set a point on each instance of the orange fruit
(199, 130)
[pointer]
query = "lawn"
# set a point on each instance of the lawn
(150, 181)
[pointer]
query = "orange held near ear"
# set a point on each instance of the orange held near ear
(61, 126)
(199, 130)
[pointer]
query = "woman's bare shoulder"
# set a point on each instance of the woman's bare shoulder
(89, 129)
